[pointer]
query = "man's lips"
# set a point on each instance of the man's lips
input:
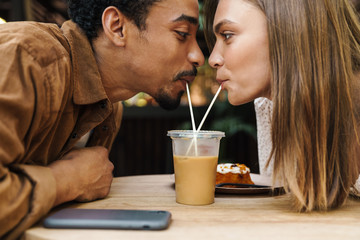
(188, 79)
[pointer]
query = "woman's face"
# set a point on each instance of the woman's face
(241, 52)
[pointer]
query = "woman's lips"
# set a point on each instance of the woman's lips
(220, 81)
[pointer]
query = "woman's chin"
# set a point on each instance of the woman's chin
(236, 102)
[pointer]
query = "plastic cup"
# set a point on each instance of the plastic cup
(195, 161)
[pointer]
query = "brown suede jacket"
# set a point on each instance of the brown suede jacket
(51, 94)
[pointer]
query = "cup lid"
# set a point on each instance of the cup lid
(190, 134)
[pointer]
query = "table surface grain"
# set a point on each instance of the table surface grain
(230, 217)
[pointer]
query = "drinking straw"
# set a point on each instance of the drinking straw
(191, 109)
(203, 120)
(192, 121)
(208, 110)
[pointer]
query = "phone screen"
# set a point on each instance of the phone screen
(108, 219)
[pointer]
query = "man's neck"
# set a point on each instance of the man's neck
(113, 76)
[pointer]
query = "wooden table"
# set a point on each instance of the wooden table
(230, 217)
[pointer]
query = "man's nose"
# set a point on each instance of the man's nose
(196, 56)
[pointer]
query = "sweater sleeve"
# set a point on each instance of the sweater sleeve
(355, 190)
(26, 192)
(263, 110)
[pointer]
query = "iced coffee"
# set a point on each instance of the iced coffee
(195, 160)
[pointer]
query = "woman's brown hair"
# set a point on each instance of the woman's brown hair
(315, 57)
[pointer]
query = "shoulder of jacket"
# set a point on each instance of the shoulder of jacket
(44, 42)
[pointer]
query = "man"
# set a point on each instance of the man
(58, 85)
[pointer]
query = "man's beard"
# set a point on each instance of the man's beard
(168, 102)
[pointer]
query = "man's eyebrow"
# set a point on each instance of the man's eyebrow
(187, 18)
(220, 24)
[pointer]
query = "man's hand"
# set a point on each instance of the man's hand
(83, 175)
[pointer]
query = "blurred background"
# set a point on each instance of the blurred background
(142, 146)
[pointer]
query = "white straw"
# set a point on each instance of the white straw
(191, 109)
(192, 121)
(202, 122)
(208, 110)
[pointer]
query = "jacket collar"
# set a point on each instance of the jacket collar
(88, 87)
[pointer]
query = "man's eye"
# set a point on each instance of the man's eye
(183, 35)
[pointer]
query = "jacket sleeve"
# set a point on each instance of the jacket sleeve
(26, 192)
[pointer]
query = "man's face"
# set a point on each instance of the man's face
(164, 56)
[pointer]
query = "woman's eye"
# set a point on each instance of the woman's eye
(183, 35)
(226, 36)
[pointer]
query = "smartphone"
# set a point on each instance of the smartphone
(108, 219)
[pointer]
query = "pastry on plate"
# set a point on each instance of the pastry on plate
(233, 173)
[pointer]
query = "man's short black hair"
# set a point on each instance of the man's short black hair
(87, 13)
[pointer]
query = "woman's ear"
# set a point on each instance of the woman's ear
(114, 26)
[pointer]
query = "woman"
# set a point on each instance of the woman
(304, 56)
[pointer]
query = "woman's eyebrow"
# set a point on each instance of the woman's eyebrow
(220, 24)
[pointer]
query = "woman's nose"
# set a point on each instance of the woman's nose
(215, 59)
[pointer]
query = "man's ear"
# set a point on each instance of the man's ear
(114, 26)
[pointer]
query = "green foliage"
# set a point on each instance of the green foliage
(232, 125)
